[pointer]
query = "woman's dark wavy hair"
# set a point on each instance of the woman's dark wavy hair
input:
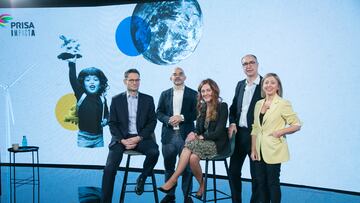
(97, 72)
(214, 102)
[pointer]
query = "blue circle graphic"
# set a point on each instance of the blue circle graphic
(130, 41)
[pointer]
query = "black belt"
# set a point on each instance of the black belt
(244, 128)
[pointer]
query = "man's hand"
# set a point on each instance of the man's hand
(130, 143)
(134, 140)
(232, 129)
(175, 120)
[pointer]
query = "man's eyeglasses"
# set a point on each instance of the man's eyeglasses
(133, 80)
(178, 74)
(249, 63)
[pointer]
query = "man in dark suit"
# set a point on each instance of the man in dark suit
(241, 118)
(132, 122)
(177, 111)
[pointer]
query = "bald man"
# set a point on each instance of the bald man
(177, 112)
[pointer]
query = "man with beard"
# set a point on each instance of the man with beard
(177, 111)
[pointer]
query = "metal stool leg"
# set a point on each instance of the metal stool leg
(205, 179)
(229, 179)
(0, 182)
(14, 178)
(123, 188)
(11, 195)
(38, 174)
(153, 180)
(188, 188)
(214, 181)
(33, 176)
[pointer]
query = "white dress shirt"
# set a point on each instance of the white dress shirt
(248, 94)
(178, 95)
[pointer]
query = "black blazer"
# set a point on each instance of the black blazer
(216, 130)
(119, 117)
(165, 110)
(235, 108)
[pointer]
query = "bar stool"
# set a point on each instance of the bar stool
(217, 158)
(129, 154)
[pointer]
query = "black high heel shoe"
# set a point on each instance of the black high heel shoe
(168, 190)
(200, 193)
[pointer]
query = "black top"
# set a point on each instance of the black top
(216, 130)
(90, 110)
(261, 117)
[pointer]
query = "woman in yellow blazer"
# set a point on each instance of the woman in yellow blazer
(274, 118)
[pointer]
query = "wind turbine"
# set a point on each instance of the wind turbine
(9, 113)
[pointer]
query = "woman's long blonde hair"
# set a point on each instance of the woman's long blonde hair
(280, 90)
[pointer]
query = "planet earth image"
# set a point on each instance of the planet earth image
(175, 27)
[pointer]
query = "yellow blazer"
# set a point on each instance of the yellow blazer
(278, 116)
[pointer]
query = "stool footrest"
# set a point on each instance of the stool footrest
(227, 196)
(125, 184)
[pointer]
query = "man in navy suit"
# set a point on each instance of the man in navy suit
(177, 112)
(241, 118)
(132, 122)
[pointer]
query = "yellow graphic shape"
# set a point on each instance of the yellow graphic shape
(65, 112)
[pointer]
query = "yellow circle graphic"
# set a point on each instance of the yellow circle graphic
(65, 112)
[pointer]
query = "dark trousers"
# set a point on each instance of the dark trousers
(268, 177)
(171, 151)
(148, 147)
(242, 149)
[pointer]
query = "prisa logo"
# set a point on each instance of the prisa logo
(4, 19)
(22, 25)
(22, 29)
